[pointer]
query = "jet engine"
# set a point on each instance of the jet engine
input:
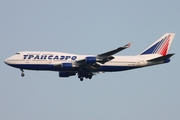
(66, 66)
(91, 60)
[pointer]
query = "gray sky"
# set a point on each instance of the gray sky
(89, 27)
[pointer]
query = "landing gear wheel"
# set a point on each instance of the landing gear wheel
(81, 79)
(22, 75)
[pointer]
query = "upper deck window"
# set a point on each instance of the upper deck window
(17, 53)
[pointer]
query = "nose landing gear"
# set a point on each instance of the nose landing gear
(22, 74)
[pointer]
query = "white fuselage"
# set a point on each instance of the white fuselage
(48, 60)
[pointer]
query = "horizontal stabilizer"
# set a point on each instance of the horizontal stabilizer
(162, 58)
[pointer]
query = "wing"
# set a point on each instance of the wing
(107, 56)
(92, 63)
(101, 58)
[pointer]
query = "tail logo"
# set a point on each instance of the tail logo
(160, 47)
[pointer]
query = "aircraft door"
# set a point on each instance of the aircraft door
(29, 59)
(50, 58)
(141, 63)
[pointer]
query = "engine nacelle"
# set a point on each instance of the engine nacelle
(90, 60)
(66, 74)
(66, 66)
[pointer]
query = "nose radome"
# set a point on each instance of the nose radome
(6, 61)
(11, 60)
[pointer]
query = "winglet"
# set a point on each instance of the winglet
(128, 45)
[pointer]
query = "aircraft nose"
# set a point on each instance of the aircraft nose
(6, 61)
(10, 61)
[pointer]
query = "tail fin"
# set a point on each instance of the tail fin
(161, 46)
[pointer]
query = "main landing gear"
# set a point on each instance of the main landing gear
(81, 79)
(82, 75)
(22, 74)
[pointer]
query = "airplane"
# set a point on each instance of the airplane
(86, 66)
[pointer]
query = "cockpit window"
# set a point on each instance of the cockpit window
(17, 53)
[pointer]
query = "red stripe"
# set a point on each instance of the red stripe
(164, 47)
(165, 50)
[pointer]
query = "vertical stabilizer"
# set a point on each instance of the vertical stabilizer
(161, 46)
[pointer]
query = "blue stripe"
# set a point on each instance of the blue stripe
(53, 68)
(116, 68)
(151, 49)
(158, 46)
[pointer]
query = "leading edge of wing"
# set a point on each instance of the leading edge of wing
(112, 52)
